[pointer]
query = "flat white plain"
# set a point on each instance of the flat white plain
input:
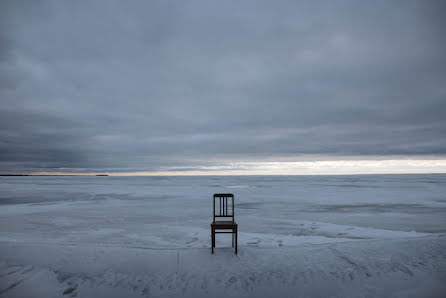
(338, 236)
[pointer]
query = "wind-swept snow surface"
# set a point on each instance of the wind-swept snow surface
(300, 236)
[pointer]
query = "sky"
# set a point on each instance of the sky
(222, 87)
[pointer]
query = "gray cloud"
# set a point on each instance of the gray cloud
(148, 84)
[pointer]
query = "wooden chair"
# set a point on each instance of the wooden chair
(225, 215)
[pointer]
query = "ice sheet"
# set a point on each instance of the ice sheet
(53, 226)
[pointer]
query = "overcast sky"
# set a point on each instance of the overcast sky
(118, 86)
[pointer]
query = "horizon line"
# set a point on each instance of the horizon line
(201, 175)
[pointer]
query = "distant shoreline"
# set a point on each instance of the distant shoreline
(15, 175)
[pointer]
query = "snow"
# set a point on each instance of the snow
(300, 236)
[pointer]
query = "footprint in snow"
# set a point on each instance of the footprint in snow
(70, 291)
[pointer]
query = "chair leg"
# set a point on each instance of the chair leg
(232, 238)
(236, 241)
(213, 240)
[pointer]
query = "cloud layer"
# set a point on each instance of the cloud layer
(145, 85)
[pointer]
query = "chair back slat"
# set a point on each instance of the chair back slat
(223, 210)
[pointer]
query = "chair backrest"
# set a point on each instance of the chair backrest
(223, 208)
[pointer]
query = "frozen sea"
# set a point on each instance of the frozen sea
(299, 236)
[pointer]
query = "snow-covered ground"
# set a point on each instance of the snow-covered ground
(300, 236)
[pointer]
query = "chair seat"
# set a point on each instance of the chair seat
(223, 225)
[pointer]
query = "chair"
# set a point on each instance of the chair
(224, 213)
